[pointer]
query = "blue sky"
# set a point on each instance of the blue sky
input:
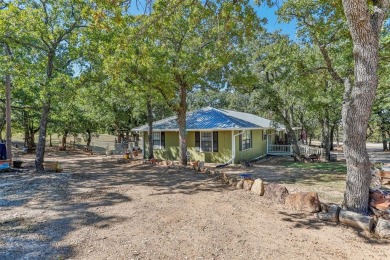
(273, 24)
(263, 11)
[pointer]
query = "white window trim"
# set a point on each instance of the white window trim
(212, 141)
(157, 147)
(242, 139)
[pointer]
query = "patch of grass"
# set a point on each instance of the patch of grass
(338, 167)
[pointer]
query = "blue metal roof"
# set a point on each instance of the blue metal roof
(210, 118)
(215, 119)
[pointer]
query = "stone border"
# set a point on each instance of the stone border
(306, 202)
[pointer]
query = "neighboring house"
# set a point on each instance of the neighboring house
(213, 135)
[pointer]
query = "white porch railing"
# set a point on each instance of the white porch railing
(305, 149)
(275, 149)
(279, 149)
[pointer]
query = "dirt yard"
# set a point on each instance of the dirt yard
(98, 208)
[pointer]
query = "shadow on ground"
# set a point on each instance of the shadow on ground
(58, 203)
(301, 221)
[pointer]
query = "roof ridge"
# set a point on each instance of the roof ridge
(230, 117)
(212, 118)
(225, 112)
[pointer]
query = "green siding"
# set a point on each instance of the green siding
(171, 151)
(259, 147)
(224, 148)
(224, 154)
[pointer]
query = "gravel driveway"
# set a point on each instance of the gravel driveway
(100, 209)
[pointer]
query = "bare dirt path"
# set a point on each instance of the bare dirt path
(100, 209)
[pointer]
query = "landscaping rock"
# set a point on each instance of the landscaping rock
(240, 184)
(248, 184)
(233, 181)
(276, 192)
(382, 228)
(225, 177)
(356, 220)
(303, 201)
(329, 213)
(258, 187)
(379, 200)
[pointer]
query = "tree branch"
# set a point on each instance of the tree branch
(328, 62)
(381, 7)
(29, 44)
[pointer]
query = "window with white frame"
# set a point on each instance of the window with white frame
(206, 141)
(246, 140)
(158, 140)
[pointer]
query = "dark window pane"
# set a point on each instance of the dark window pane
(215, 142)
(197, 141)
(162, 139)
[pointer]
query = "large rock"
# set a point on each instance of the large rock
(275, 192)
(240, 184)
(258, 187)
(247, 184)
(233, 181)
(379, 200)
(382, 228)
(303, 202)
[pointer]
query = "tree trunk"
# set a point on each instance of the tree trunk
(8, 108)
(42, 139)
(293, 141)
(50, 143)
(331, 137)
(26, 137)
(383, 133)
(182, 121)
(365, 223)
(364, 23)
(2, 122)
(89, 138)
(331, 213)
(40, 154)
(325, 136)
(29, 135)
(291, 137)
(63, 141)
(8, 116)
(150, 126)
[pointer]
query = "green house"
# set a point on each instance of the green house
(213, 136)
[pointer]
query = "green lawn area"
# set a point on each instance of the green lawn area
(334, 167)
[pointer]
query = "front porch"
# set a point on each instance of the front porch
(286, 150)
